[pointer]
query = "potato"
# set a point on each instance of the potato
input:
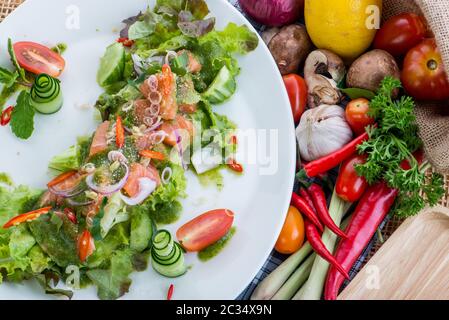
(370, 69)
(290, 47)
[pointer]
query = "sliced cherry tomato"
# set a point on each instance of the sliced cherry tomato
(205, 229)
(38, 59)
(61, 178)
(126, 42)
(119, 133)
(86, 245)
(234, 166)
(423, 75)
(71, 215)
(291, 238)
(357, 115)
(401, 33)
(297, 92)
(25, 217)
(350, 186)
(6, 116)
(152, 154)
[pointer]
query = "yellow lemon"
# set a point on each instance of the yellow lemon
(346, 27)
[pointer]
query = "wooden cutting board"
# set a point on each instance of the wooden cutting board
(412, 265)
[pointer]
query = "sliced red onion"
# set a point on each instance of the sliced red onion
(155, 97)
(152, 111)
(76, 190)
(170, 55)
(75, 203)
(153, 83)
(138, 64)
(158, 137)
(180, 148)
(147, 186)
(107, 190)
(117, 156)
(155, 126)
(128, 106)
(166, 175)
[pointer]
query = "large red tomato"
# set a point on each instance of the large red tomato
(423, 75)
(401, 33)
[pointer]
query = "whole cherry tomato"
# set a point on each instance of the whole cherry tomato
(350, 186)
(357, 115)
(401, 33)
(297, 92)
(292, 235)
(423, 75)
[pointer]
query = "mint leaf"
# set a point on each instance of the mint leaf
(22, 117)
(14, 61)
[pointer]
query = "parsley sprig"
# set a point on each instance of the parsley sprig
(393, 140)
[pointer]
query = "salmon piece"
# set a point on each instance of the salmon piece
(100, 140)
(194, 65)
(137, 171)
(185, 129)
(188, 108)
(167, 88)
(139, 110)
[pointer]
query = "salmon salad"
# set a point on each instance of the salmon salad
(101, 216)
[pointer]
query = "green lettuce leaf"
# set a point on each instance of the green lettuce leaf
(114, 282)
(67, 160)
(234, 39)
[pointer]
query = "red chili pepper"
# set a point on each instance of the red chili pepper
(370, 212)
(119, 133)
(150, 154)
(234, 140)
(306, 208)
(70, 215)
(171, 289)
(323, 165)
(29, 216)
(350, 186)
(419, 156)
(314, 238)
(86, 245)
(234, 166)
(126, 42)
(319, 200)
(6, 116)
(61, 178)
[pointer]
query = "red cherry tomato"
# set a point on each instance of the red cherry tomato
(205, 229)
(423, 75)
(38, 59)
(291, 238)
(401, 33)
(357, 115)
(297, 93)
(350, 186)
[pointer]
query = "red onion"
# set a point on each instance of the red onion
(147, 186)
(166, 175)
(180, 148)
(273, 13)
(107, 190)
(68, 193)
(117, 156)
(153, 83)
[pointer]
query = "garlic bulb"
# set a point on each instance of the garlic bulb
(322, 131)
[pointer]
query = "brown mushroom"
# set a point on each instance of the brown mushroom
(323, 70)
(289, 46)
(370, 69)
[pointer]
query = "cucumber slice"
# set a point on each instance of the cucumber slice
(222, 88)
(167, 256)
(46, 95)
(112, 65)
(141, 231)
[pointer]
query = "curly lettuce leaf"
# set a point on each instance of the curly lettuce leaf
(114, 282)
(234, 39)
(67, 160)
(198, 8)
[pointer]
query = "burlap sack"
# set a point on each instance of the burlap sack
(433, 119)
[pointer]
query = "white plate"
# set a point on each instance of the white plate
(259, 201)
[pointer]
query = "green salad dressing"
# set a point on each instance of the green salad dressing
(212, 177)
(214, 249)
